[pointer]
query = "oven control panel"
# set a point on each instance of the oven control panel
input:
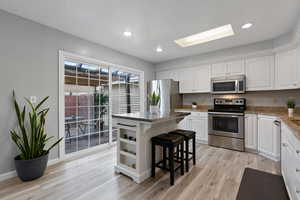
(235, 101)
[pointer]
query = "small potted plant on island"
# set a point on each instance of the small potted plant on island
(153, 101)
(291, 106)
(31, 140)
(194, 104)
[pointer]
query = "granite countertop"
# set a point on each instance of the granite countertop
(199, 108)
(150, 117)
(280, 112)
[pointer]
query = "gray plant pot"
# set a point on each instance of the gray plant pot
(29, 170)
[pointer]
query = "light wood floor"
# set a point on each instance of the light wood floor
(217, 175)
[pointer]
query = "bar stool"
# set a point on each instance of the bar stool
(188, 135)
(168, 142)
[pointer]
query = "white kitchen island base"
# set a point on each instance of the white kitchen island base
(134, 141)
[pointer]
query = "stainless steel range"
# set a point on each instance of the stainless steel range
(226, 124)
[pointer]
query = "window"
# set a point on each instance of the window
(125, 93)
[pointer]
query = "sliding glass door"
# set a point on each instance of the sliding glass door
(86, 106)
(92, 93)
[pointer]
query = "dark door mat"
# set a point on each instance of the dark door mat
(258, 185)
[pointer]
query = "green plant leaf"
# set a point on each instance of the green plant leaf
(53, 145)
(30, 137)
(41, 103)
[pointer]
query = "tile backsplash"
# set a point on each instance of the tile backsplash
(259, 98)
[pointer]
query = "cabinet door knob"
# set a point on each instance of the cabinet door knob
(297, 191)
(297, 151)
(297, 170)
(284, 144)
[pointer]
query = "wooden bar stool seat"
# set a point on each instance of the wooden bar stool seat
(188, 135)
(168, 142)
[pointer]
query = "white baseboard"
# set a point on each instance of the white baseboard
(251, 150)
(201, 141)
(8, 175)
(13, 173)
(274, 158)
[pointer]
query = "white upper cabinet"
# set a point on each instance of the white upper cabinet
(280, 71)
(286, 70)
(170, 74)
(236, 67)
(219, 69)
(186, 82)
(194, 80)
(202, 79)
(259, 73)
(228, 68)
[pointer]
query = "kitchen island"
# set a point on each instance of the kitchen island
(135, 131)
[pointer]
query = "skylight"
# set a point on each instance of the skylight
(206, 36)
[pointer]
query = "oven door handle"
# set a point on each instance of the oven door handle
(227, 113)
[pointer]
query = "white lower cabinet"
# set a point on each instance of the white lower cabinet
(200, 127)
(290, 162)
(198, 122)
(251, 132)
(268, 137)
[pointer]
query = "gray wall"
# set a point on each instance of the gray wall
(29, 64)
(262, 98)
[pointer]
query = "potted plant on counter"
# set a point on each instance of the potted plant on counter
(153, 101)
(194, 104)
(31, 140)
(291, 106)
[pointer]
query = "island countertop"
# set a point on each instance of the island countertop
(151, 117)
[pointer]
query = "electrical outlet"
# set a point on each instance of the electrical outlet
(33, 99)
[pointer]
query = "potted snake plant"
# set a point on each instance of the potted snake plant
(31, 140)
(153, 101)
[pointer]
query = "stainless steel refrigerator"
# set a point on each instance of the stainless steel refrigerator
(168, 90)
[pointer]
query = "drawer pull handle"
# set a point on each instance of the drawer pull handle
(277, 123)
(297, 170)
(297, 191)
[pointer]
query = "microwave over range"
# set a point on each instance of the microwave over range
(228, 84)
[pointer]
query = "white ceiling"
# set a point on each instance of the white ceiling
(159, 22)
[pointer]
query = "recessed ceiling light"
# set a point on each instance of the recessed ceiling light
(127, 33)
(248, 25)
(159, 49)
(206, 36)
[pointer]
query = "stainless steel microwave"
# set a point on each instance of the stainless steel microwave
(228, 84)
